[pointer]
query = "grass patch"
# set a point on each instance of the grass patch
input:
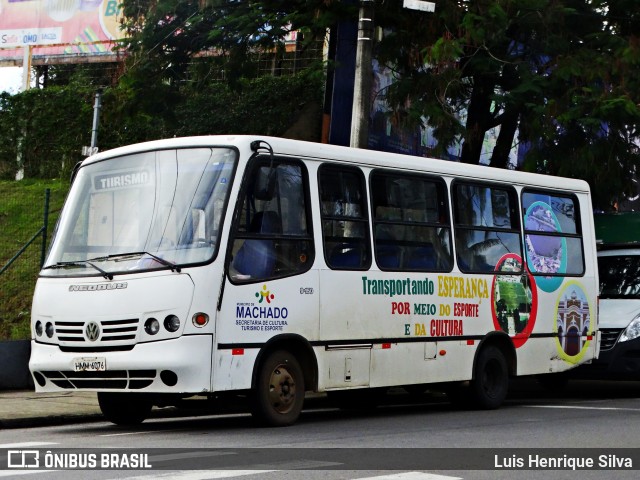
(21, 216)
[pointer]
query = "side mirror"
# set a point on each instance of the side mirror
(265, 183)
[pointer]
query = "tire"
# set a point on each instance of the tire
(125, 409)
(278, 394)
(491, 379)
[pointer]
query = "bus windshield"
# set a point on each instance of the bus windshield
(146, 211)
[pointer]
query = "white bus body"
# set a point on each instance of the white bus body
(271, 267)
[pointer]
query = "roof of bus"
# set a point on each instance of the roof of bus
(353, 156)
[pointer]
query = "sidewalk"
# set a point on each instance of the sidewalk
(24, 408)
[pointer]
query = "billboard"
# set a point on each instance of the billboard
(58, 28)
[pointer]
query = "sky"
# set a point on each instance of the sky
(10, 79)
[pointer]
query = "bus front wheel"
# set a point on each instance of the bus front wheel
(491, 379)
(279, 390)
(124, 409)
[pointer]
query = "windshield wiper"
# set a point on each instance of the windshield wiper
(80, 263)
(174, 267)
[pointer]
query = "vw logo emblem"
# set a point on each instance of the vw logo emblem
(92, 331)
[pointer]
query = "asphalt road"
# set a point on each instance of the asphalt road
(422, 438)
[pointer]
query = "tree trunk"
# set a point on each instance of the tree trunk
(508, 127)
(478, 119)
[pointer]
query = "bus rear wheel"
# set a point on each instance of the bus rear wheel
(124, 409)
(491, 379)
(278, 393)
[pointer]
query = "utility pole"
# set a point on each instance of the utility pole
(96, 120)
(363, 77)
(26, 67)
(93, 149)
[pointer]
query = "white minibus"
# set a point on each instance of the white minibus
(266, 268)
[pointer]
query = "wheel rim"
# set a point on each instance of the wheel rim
(282, 389)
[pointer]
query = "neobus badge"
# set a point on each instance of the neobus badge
(94, 287)
(124, 179)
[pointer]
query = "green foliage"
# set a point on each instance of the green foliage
(21, 217)
(165, 35)
(564, 74)
(260, 106)
(43, 131)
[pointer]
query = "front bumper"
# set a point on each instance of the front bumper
(181, 365)
(621, 362)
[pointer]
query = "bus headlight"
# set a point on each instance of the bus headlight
(172, 323)
(49, 330)
(152, 326)
(39, 329)
(632, 331)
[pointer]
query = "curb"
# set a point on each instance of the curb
(50, 421)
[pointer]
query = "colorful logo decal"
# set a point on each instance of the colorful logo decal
(265, 294)
(261, 315)
(545, 253)
(514, 300)
(573, 317)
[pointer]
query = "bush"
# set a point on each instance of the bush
(43, 130)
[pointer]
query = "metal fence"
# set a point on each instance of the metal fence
(19, 267)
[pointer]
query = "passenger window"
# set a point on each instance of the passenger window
(486, 227)
(411, 223)
(273, 235)
(345, 228)
(552, 234)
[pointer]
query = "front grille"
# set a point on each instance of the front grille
(76, 349)
(72, 333)
(608, 338)
(110, 379)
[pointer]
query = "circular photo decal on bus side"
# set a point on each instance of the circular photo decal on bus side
(545, 253)
(573, 317)
(514, 300)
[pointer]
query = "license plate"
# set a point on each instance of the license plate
(90, 364)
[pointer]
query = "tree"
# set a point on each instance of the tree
(165, 35)
(563, 74)
(559, 76)
(177, 51)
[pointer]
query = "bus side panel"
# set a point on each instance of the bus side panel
(342, 368)
(253, 314)
(233, 368)
(417, 325)
(564, 332)
(423, 362)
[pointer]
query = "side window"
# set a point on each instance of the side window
(487, 226)
(345, 228)
(552, 234)
(273, 235)
(411, 226)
